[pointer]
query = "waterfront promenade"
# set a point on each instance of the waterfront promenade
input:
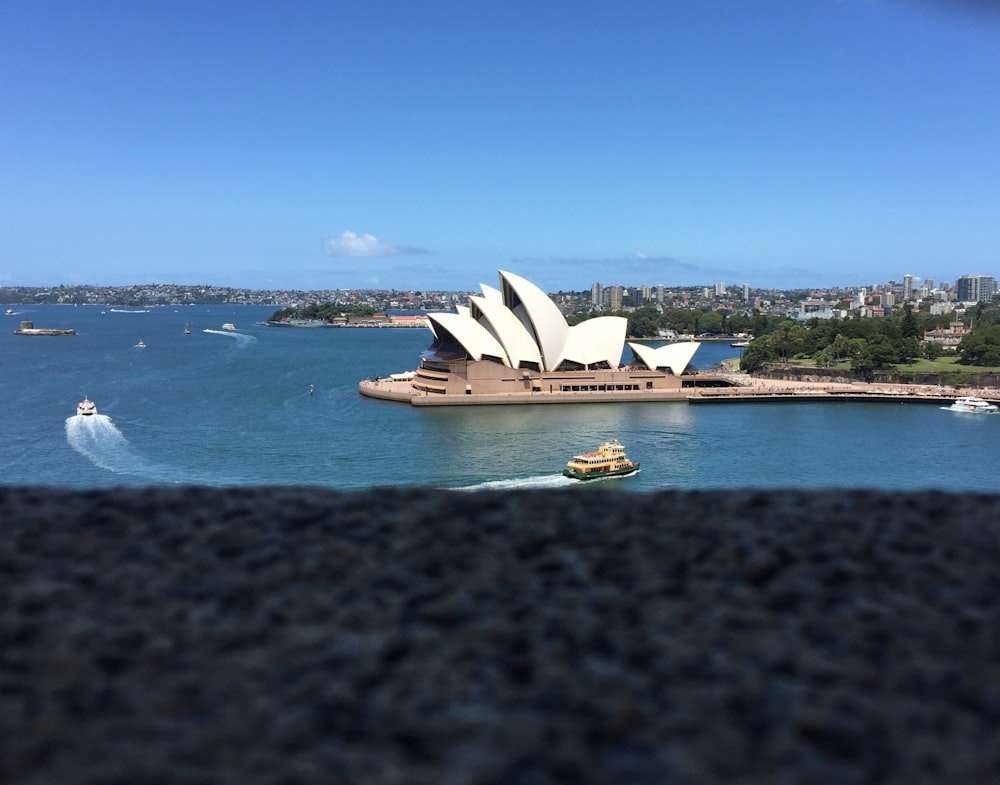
(749, 388)
(742, 389)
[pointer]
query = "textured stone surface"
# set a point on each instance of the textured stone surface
(411, 636)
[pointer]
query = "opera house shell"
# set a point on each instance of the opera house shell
(513, 345)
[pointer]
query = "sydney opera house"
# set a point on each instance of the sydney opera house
(513, 345)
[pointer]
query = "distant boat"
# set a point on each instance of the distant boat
(229, 326)
(86, 407)
(141, 344)
(187, 328)
(973, 404)
(608, 460)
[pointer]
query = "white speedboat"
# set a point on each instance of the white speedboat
(86, 407)
(973, 404)
(229, 326)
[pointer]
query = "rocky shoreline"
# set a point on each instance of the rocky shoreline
(412, 636)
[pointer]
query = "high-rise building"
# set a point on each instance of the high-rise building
(746, 292)
(975, 288)
(659, 293)
(908, 285)
(720, 289)
(596, 295)
(617, 293)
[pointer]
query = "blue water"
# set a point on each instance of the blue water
(231, 408)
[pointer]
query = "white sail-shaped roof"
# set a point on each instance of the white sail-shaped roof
(505, 327)
(491, 293)
(674, 356)
(598, 340)
(519, 326)
(473, 337)
(539, 315)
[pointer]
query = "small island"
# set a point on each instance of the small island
(28, 328)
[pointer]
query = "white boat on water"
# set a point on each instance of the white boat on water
(229, 326)
(86, 407)
(973, 404)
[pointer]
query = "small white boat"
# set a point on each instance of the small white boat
(973, 404)
(140, 345)
(86, 407)
(229, 326)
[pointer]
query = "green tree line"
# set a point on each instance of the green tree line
(325, 312)
(869, 344)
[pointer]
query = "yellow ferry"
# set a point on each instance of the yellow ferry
(608, 460)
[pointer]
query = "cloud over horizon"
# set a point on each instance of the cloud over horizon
(350, 245)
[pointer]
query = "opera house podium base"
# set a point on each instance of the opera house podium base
(405, 392)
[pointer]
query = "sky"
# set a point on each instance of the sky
(426, 145)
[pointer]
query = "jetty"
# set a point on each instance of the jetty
(28, 328)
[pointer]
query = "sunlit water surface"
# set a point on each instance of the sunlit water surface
(219, 407)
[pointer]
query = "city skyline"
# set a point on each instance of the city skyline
(784, 144)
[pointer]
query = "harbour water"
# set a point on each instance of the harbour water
(219, 407)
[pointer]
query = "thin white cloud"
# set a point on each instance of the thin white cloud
(360, 246)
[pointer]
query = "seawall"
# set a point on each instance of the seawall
(422, 637)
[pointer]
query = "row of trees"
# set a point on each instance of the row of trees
(647, 322)
(320, 312)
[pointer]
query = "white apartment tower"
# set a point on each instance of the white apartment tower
(596, 295)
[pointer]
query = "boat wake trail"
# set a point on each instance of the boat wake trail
(96, 438)
(242, 338)
(543, 481)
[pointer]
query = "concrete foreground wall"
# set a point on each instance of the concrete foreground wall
(282, 635)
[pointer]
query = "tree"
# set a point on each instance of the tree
(864, 364)
(883, 351)
(679, 319)
(788, 339)
(981, 347)
(712, 323)
(931, 350)
(760, 352)
(908, 325)
(643, 322)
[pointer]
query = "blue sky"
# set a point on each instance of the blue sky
(425, 145)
